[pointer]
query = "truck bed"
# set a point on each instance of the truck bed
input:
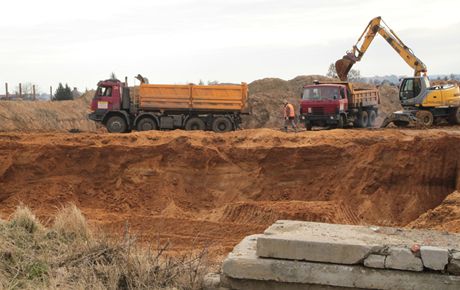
(364, 97)
(192, 97)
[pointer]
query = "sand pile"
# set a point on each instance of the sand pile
(47, 115)
(267, 95)
(266, 99)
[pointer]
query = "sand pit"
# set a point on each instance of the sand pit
(201, 188)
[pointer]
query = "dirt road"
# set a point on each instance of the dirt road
(200, 188)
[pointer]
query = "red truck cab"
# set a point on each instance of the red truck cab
(339, 104)
(107, 96)
(323, 105)
(111, 104)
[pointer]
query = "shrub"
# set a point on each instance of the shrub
(24, 218)
(71, 224)
(69, 256)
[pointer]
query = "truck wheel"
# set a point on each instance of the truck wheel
(147, 124)
(425, 118)
(195, 123)
(372, 115)
(341, 122)
(308, 126)
(116, 124)
(222, 124)
(454, 116)
(363, 119)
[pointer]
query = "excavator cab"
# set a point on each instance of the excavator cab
(409, 88)
(412, 89)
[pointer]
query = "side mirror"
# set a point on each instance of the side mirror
(301, 96)
(335, 97)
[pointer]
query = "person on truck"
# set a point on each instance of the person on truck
(289, 116)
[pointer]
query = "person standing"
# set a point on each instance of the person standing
(289, 116)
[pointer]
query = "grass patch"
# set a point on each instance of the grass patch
(67, 255)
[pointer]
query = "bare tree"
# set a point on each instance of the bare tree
(354, 75)
(331, 72)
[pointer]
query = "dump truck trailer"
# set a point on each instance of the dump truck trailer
(338, 104)
(153, 107)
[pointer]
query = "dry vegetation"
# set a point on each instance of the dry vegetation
(67, 255)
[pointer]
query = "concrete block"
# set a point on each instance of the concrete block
(434, 258)
(243, 264)
(211, 281)
(403, 259)
(246, 284)
(343, 244)
(375, 261)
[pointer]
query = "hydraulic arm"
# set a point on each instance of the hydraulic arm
(378, 26)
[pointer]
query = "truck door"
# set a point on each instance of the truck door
(108, 98)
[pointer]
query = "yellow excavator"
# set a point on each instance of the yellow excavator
(422, 103)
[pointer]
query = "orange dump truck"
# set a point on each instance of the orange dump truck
(153, 107)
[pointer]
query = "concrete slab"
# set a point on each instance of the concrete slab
(245, 284)
(375, 261)
(434, 258)
(403, 259)
(342, 244)
(244, 264)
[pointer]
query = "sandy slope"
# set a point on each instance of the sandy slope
(199, 188)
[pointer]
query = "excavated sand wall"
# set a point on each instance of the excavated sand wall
(225, 186)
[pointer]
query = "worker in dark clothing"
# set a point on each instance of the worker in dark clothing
(289, 116)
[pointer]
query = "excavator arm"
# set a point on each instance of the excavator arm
(378, 26)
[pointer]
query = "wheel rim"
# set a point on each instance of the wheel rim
(116, 126)
(222, 126)
(147, 126)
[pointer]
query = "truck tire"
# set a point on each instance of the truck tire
(308, 126)
(425, 118)
(372, 115)
(363, 119)
(454, 116)
(195, 123)
(146, 124)
(116, 124)
(222, 124)
(341, 122)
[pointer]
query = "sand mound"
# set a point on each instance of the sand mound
(202, 187)
(445, 217)
(46, 116)
(266, 99)
(267, 95)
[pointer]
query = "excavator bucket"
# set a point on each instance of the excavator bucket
(343, 67)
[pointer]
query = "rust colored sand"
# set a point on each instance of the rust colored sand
(200, 188)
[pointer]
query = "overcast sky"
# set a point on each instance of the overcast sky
(179, 41)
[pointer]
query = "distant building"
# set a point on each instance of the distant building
(75, 93)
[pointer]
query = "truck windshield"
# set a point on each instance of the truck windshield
(321, 93)
(104, 91)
